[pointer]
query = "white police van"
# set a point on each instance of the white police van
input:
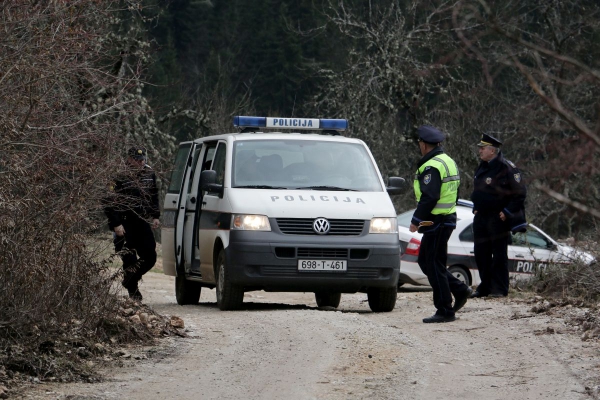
(283, 212)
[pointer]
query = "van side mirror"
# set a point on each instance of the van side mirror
(208, 182)
(395, 185)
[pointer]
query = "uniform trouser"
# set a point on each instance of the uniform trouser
(137, 250)
(433, 255)
(491, 253)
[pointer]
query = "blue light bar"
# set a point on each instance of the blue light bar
(290, 123)
(334, 124)
(250, 122)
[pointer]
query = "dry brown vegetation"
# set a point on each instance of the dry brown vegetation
(69, 105)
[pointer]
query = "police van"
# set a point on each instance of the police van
(302, 211)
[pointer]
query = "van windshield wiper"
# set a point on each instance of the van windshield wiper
(333, 188)
(261, 187)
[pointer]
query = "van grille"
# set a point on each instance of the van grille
(304, 226)
(353, 272)
(322, 253)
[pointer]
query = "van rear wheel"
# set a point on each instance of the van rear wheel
(325, 299)
(229, 295)
(382, 299)
(186, 292)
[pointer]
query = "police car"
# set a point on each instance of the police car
(527, 252)
(302, 211)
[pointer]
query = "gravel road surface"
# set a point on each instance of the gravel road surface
(281, 346)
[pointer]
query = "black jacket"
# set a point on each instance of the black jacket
(132, 195)
(498, 186)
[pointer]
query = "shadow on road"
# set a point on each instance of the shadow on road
(413, 289)
(251, 306)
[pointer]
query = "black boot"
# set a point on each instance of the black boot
(134, 293)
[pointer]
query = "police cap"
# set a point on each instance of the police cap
(137, 153)
(429, 134)
(487, 140)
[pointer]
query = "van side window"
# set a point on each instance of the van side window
(194, 161)
(179, 168)
(219, 163)
(210, 155)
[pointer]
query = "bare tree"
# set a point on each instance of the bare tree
(70, 103)
(396, 76)
(549, 49)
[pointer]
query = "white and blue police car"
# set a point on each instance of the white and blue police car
(528, 252)
(302, 211)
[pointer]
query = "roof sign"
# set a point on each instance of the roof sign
(290, 123)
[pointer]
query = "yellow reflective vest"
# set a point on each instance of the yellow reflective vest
(450, 182)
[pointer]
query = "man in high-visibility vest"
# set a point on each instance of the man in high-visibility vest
(436, 188)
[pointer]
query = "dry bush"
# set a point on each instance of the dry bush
(70, 104)
(577, 282)
(578, 279)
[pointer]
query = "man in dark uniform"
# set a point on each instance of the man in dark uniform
(436, 188)
(133, 202)
(499, 207)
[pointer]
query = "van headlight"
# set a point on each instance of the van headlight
(383, 225)
(250, 222)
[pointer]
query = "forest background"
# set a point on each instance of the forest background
(82, 80)
(526, 71)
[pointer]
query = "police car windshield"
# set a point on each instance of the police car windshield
(303, 164)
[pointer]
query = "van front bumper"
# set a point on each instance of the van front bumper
(269, 261)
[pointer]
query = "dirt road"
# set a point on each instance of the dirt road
(282, 347)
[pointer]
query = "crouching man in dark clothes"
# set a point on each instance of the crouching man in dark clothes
(133, 201)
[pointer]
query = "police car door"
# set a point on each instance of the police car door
(171, 207)
(203, 156)
(528, 251)
(216, 214)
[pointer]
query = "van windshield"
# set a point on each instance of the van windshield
(303, 164)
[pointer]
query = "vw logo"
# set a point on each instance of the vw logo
(321, 226)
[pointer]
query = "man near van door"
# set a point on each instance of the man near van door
(133, 201)
(436, 188)
(499, 207)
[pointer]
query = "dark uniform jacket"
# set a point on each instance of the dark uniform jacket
(430, 194)
(498, 186)
(133, 195)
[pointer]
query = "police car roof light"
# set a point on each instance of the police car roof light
(291, 123)
(465, 203)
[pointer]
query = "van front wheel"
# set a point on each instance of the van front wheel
(382, 299)
(229, 295)
(328, 299)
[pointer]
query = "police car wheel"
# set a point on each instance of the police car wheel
(461, 274)
(186, 292)
(382, 299)
(328, 299)
(229, 296)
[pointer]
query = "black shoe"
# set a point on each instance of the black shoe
(477, 294)
(438, 318)
(461, 300)
(497, 295)
(134, 294)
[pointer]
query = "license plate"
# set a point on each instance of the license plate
(322, 265)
